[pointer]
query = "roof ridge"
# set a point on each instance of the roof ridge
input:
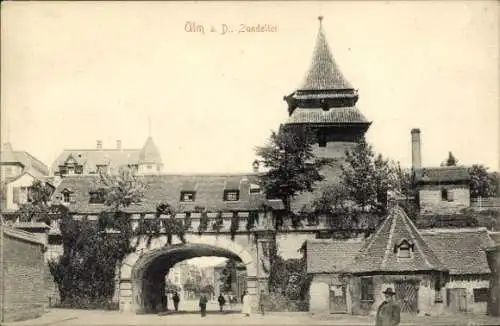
(414, 232)
(389, 241)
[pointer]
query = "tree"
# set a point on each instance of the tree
(170, 287)
(482, 183)
(359, 175)
(291, 163)
(38, 208)
(208, 289)
(226, 278)
(450, 161)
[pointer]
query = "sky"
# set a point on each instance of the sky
(74, 73)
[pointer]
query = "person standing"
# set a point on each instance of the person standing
(262, 301)
(222, 301)
(176, 299)
(203, 305)
(388, 313)
(246, 307)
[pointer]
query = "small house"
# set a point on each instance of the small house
(431, 271)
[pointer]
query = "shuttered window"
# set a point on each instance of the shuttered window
(367, 293)
(15, 195)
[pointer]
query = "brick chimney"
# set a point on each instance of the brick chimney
(99, 144)
(416, 155)
(118, 144)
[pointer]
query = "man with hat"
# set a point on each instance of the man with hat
(388, 313)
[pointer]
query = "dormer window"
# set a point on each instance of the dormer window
(254, 189)
(66, 195)
(187, 196)
(231, 195)
(404, 250)
(97, 196)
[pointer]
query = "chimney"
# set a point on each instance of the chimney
(99, 144)
(416, 155)
(255, 166)
(118, 144)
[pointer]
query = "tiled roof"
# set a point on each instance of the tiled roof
(167, 188)
(149, 153)
(461, 251)
(378, 254)
(343, 115)
(330, 256)
(324, 72)
(28, 161)
(442, 174)
(94, 157)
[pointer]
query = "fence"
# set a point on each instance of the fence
(485, 203)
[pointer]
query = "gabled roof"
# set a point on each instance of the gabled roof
(149, 153)
(442, 174)
(324, 73)
(167, 188)
(330, 256)
(460, 250)
(8, 155)
(379, 254)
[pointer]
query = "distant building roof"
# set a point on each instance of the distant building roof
(379, 254)
(167, 188)
(444, 174)
(149, 153)
(460, 250)
(28, 161)
(330, 256)
(115, 157)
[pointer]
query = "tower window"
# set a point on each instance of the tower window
(231, 195)
(446, 195)
(187, 196)
(321, 139)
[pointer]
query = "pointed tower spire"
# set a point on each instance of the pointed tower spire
(324, 73)
(326, 102)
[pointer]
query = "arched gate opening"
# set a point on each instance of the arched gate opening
(142, 276)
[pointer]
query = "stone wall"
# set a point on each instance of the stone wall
(469, 283)
(24, 274)
(431, 202)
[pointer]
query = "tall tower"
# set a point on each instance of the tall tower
(326, 102)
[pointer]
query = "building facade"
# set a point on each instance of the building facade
(145, 160)
(18, 171)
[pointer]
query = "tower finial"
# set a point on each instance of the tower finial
(320, 18)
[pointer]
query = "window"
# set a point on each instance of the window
(481, 295)
(79, 169)
(101, 168)
(187, 196)
(404, 249)
(254, 189)
(149, 166)
(66, 197)
(321, 139)
(438, 297)
(231, 195)
(446, 195)
(367, 289)
(97, 196)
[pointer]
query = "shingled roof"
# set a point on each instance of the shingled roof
(379, 254)
(443, 174)
(149, 153)
(167, 188)
(324, 73)
(460, 250)
(325, 96)
(330, 256)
